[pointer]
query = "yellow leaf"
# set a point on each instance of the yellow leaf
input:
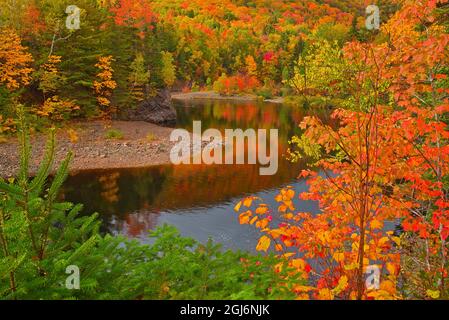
(264, 244)
(282, 208)
(278, 267)
(303, 296)
(381, 295)
(339, 256)
(237, 207)
(262, 223)
(299, 264)
(342, 285)
(253, 220)
(300, 288)
(288, 216)
(366, 262)
(244, 217)
(275, 233)
(324, 236)
(351, 266)
(262, 210)
(247, 202)
(376, 224)
(396, 240)
(325, 294)
(383, 241)
(388, 286)
(73, 136)
(289, 204)
(434, 294)
(391, 268)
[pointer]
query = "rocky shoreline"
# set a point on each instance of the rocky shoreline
(143, 144)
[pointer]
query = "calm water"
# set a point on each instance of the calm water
(197, 199)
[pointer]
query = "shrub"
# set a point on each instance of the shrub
(235, 84)
(56, 109)
(6, 126)
(114, 134)
(150, 137)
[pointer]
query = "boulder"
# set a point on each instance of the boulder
(158, 110)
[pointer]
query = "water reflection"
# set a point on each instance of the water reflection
(197, 199)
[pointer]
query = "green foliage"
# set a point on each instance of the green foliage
(265, 92)
(168, 71)
(79, 49)
(139, 77)
(114, 134)
(29, 214)
(181, 268)
(50, 80)
(333, 32)
(319, 69)
(303, 147)
(6, 98)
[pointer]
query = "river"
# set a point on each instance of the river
(197, 199)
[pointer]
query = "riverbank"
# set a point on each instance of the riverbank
(212, 95)
(142, 144)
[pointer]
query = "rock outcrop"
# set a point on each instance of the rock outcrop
(158, 110)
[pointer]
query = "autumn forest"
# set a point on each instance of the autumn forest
(352, 97)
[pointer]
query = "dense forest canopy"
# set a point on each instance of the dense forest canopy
(147, 45)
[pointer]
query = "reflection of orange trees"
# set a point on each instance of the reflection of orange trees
(225, 115)
(210, 184)
(110, 187)
(249, 115)
(187, 186)
(240, 113)
(137, 224)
